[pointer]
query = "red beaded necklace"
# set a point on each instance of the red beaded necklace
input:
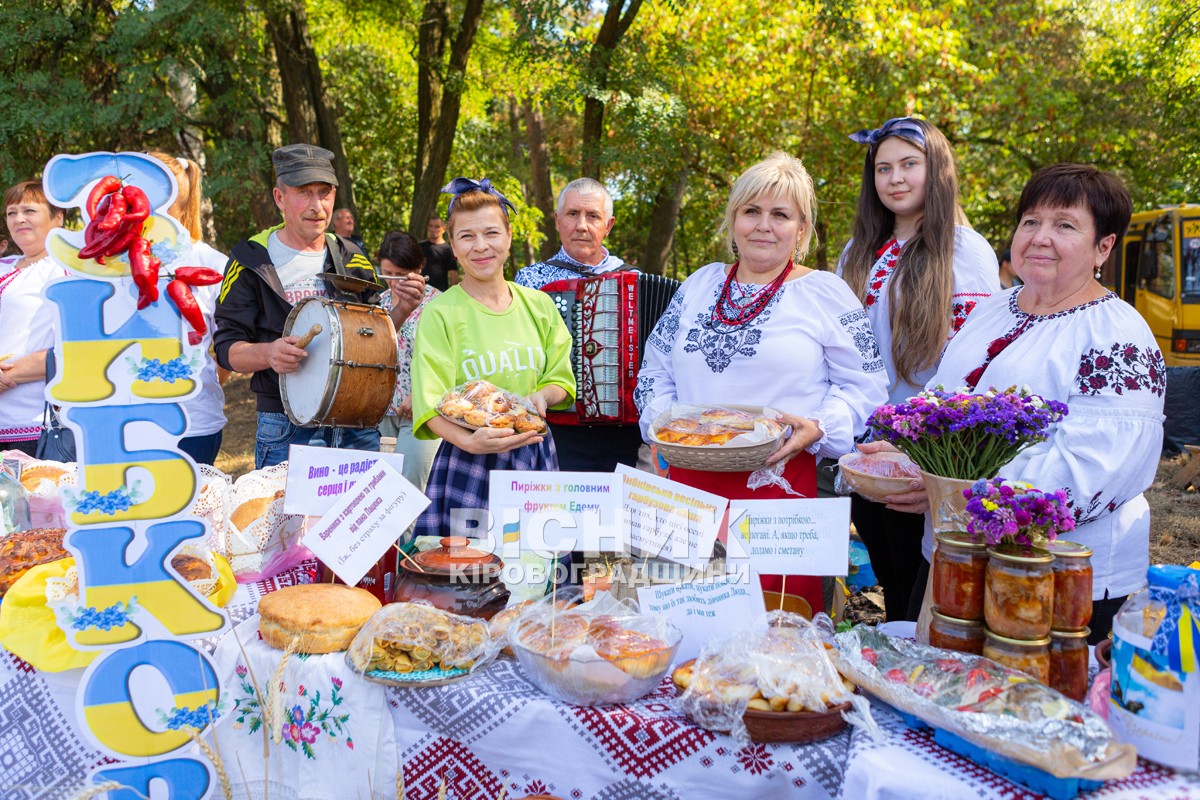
(729, 312)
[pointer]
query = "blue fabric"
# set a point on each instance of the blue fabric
(203, 449)
(463, 185)
(535, 276)
(897, 126)
(460, 480)
(276, 433)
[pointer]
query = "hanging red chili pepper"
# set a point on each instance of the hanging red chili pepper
(181, 294)
(143, 267)
(198, 276)
(106, 186)
(116, 213)
(137, 204)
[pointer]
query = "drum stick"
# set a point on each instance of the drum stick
(308, 337)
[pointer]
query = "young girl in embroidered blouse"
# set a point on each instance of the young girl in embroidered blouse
(919, 271)
(484, 327)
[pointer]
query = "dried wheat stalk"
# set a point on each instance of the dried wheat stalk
(275, 697)
(217, 762)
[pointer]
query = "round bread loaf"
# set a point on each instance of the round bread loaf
(324, 616)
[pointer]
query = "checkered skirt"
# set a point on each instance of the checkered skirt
(459, 479)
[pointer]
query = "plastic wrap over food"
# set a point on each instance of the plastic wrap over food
(504, 619)
(597, 653)
(781, 663)
(416, 637)
(715, 426)
(479, 404)
(985, 703)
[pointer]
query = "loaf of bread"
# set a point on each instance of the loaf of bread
(24, 550)
(253, 510)
(33, 475)
(323, 617)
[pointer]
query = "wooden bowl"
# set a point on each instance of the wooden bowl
(876, 487)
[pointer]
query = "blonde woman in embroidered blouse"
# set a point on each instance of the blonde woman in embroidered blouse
(26, 317)
(1070, 339)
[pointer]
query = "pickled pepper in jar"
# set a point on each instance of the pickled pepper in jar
(1069, 663)
(1072, 585)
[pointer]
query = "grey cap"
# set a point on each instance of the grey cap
(301, 164)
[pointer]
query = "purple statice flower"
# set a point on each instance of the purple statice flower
(1009, 511)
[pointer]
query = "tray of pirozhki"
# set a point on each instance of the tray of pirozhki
(728, 438)
(479, 404)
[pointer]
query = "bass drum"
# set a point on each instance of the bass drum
(349, 376)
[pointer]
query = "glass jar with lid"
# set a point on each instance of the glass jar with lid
(1029, 656)
(1069, 663)
(1018, 593)
(14, 500)
(959, 567)
(1072, 568)
(962, 635)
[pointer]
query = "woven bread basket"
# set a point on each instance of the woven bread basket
(719, 458)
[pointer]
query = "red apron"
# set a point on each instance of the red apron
(801, 473)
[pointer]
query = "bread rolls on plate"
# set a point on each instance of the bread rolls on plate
(320, 617)
(479, 404)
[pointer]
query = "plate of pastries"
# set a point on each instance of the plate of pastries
(417, 645)
(479, 404)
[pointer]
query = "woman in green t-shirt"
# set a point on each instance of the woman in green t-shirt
(491, 329)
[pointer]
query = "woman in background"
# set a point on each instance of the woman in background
(919, 270)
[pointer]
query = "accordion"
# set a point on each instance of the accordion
(610, 317)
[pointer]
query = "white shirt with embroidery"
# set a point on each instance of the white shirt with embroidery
(27, 321)
(810, 353)
(1100, 359)
(976, 276)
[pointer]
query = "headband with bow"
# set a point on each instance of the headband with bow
(463, 185)
(897, 126)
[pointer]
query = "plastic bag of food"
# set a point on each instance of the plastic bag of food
(783, 662)
(479, 404)
(693, 425)
(989, 705)
(409, 641)
(504, 619)
(598, 653)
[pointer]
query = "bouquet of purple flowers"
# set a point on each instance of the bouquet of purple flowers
(1016, 512)
(965, 436)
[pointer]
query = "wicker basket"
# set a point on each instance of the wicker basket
(719, 458)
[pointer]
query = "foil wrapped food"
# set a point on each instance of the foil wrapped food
(985, 703)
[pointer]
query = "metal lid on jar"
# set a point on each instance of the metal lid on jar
(1083, 634)
(1017, 642)
(961, 539)
(455, 556)
(1020, 554)
(1064, 549)
(955, 620)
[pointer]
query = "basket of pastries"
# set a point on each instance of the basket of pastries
(997, 709)
(774, 682)
(415, 644)
(314, 617)
(728, 438)
(875, 476)
(599, 653)
(479, 404)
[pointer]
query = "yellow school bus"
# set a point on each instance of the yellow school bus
(1156, 269)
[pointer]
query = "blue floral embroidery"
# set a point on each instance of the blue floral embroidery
(858, 325)
(664, 333)
(644, 393)
(720, 342)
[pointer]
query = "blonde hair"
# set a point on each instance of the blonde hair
(186, 207)
(782, 175)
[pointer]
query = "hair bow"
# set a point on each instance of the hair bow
(897, 126)
(462, 185)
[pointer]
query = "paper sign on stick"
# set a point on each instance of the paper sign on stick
(794, 537)
(556, 512)
(702, 611)
(668, 519)
(319, 476)
(365, 522)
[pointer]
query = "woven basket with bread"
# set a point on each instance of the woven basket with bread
(731, 438)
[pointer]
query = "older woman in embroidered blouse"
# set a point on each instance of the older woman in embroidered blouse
(1069, 339)
(767, 331)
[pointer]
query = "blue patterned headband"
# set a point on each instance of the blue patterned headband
(463, 185)
(897, 126)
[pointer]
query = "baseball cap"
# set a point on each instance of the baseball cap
(300, 164)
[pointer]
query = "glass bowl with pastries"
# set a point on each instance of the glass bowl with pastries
(773, 682)
(599, 653)
(479, 404)
(730, 438)
(875, 476)
(417, 645)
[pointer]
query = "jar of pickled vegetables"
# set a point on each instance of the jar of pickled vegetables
(1072, 585)
(1069, 663)
(959, 564)
(1018, 592)
(963, 635)
(1031, 657)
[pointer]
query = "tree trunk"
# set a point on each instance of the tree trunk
(310, 120)
(613, 27)
(541, 191)
(440, 86)
(664, 216)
